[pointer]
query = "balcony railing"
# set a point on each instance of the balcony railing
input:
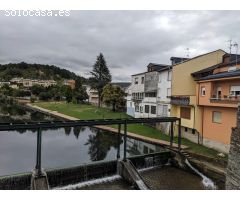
(225, 98)
(137, 98)
(179, 100)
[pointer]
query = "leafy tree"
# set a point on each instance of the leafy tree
(6, 90)
(45, 96)
(100, 76)
(37, 89)
(114, 96)
(80, 95)
(69, 94)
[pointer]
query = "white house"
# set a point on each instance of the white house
(148, 95)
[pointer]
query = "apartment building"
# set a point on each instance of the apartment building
(218, 95)
(183, 95)
(92, 95)
(148, 95)
(30, 82)
(71, 83)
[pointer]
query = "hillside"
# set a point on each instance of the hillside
(36, 71)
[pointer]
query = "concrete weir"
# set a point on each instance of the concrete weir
(72, 175)
(130, 174)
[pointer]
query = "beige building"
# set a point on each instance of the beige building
(183, 96)
(30, 82)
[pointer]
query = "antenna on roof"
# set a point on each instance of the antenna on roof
(230, 48)
(187, 52)
(236, 46)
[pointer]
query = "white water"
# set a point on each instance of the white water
(88, 183)
(207, 182)
(141, 185)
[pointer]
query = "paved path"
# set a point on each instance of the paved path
(107, 128)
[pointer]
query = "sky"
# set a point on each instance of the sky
(129, 40)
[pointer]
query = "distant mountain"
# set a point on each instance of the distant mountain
(36, 71)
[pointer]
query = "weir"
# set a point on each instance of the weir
(41, 179)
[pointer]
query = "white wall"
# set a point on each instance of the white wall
(163, 86)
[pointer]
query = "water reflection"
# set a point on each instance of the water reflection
(61, 147)
(100, 143)
(16, 113)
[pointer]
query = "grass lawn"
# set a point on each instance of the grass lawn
(84, 111)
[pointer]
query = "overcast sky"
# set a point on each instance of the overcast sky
(129, 40)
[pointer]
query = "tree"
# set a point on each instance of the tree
(114, 96)
(100, 76)
(69, 94)
(37, 89)
(80, 94)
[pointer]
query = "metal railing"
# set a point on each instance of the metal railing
(74, 123)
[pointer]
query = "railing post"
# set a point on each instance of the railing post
(119, 137)
(39, 149)
(179, 134)
(125, 141)
(171, 135)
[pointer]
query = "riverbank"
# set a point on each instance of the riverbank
(107, 128)
(84, 112)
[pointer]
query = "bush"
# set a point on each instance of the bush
(32, 99)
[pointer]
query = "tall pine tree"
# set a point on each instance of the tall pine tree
(100, 76)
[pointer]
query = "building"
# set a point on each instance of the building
(27, 83)
(183, 95)
(71, 83)
(218, 95)
(92, 95)
(148, 95)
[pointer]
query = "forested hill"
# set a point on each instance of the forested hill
(36, 71)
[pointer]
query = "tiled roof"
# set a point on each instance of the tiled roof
(221, 75)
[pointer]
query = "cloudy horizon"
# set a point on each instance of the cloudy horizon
(129, 40)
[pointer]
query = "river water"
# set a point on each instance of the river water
(62, 147)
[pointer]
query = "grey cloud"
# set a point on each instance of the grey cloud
(129, 40)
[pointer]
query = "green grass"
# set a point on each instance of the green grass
(84, 111)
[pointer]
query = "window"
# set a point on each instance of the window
(165, 111)
(130, 104)
(153, 109)
(185, 112)
(203, 91)
(142, 81)
(169, 75)
(219, 92)
(136, 108)
(141, 109)
(151, 94)
(217, 117)
(235, 91)
(146, 108)
(186, 129)
(168, 92)
(136, 80)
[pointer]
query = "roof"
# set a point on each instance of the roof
(157, 67)
(176, 60)
(198, 56)
(122, 84)
(210, 69)
(221, 75)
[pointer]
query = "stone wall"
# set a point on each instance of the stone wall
(233, 168)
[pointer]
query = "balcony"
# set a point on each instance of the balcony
(137, 98)
(225, 99)
(180, 100)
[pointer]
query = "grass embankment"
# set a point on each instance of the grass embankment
(84, 111)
